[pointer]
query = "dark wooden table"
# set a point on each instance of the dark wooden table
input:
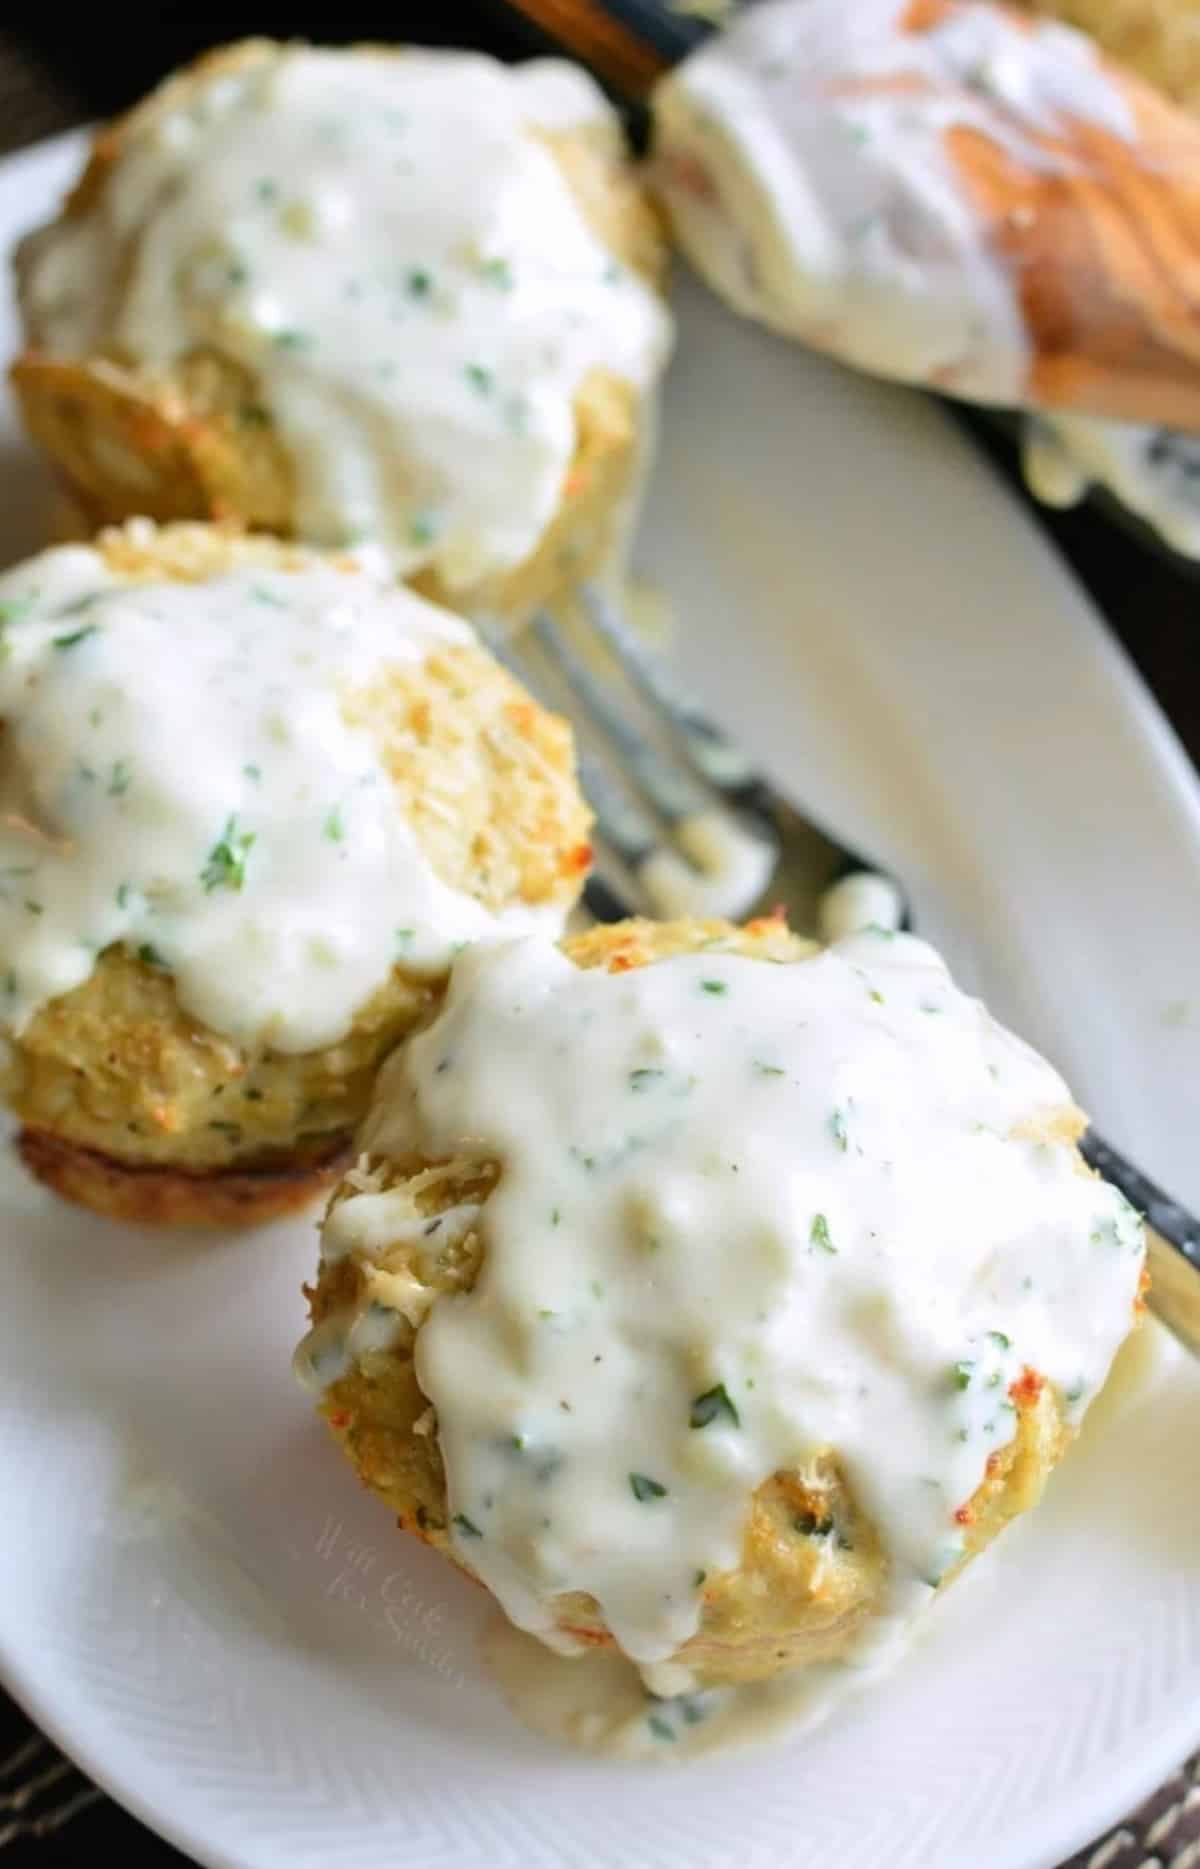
(52, 77)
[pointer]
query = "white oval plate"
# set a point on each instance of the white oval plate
(198, 1601)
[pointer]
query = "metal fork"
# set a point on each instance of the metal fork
(671, 792)
(27, 1778)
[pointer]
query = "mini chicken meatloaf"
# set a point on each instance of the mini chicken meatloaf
(712, 1296)
(254, 799)
(407, 296)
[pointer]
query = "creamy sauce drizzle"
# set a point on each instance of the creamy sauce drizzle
(723, 870)
(782, 1209)
(1155, 472)
(600, 1701)
(803, 157)
(177, 774)
(389, 247)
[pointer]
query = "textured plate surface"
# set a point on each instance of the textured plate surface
(195, 1597)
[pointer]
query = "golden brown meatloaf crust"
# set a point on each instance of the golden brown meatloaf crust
(196, 442)
(132, 1107)
(177, 1197)
(812, 1571)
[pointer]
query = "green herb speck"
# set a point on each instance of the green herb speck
(35, 908)
(659, 1727)
(715, 987)
(226, 864)
(334, 828)
(422, 529)
(699, 1578)
(150, 955)
(818, 1234)
(1001, 1341)
(498, 273)
(76, 636)
(837, 1127)
(768, 1070)
(713, 1403)
(479, 377)
(962, 1374)
(642, 1078)
(644, 1489)
(466, 1526)
(253, 772)
(120, 778)
(419, 283)
(290, 339)
(12, 609)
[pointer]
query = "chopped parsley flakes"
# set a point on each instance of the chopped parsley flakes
(76, 636)
(818, 1234)
(226, 865)
(645, 1489)
(710, 1406)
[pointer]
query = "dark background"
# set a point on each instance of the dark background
(96, 65)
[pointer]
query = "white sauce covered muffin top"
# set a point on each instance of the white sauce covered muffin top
(387, 244)
(178, 773)
(746, 1212)
(804, 158)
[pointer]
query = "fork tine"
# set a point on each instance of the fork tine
(25, 1793)
(27, 1751)
(620, 822)
(668, 789)
(708, 748)
(859, 894)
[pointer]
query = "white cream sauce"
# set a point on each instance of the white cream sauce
(1155, 472)
(746, 1212)
(177, 774)
(723, 870)
(803, 158)
(864, 899)
(600, 1702)
(388, 246)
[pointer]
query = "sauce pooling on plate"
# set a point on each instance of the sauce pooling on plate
(1155, 472)
(179, 773)
(387, 244)
(746, 1213)
(806, 157)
